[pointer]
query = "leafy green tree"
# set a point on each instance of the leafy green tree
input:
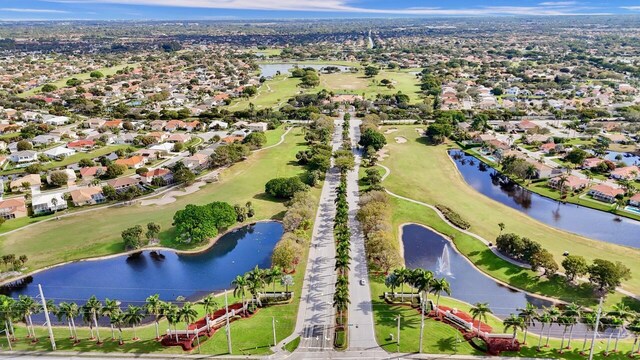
(255, 140)
(575, 266)
(544, 260)
(371, 71)
(607, 275)
(114, 170)
(249, 91)
(59, 178)
(153, 230)
(198, 223)
(132, 237)
(284, 188)
(24, 145)
(96, 74)
(577, 156)
(371, 137)
(47, 88)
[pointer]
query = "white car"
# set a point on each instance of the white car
(361, 281)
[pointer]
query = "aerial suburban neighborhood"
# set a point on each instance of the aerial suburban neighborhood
(298, 180)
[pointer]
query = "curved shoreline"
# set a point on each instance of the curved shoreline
(453, 245)
(196, 251)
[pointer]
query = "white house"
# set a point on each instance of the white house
(217, 124)
(47, 203)
(45, 139)
(25, 156)
(57, 120)
(59, 152)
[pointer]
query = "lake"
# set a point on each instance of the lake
(271, 70)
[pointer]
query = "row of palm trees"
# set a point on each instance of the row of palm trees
(343, 243)
(255, 281)
(620, 317)
(22, 309)
(423, 281)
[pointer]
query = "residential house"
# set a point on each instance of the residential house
(627, 172)
(81, 145)
(159, 136)
(635, 200)
(23, 157)
(192, 126)
(91, 172)
(179, 138)
(174, 125)
(13, 208)
(196, 161)
(218, 125)
(165, 174)
(149, 155)
(483, 138)
(134, 162)
(258, 126)
(59, 153)
(33, 180)
(125, 139)
(605, 193)
(543, 171)
(87, 196)
(157, 125)
(525, 125)
(113, 124)
(48, 203)
(123, 183)
(591, 163)
(95, 123)
(56, 120)
(572, 183)
(44, 140)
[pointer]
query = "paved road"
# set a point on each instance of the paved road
(361, 327)
(316, 313)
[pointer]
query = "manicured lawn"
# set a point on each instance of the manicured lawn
(441, 338)
(436, 180)
(98, 233)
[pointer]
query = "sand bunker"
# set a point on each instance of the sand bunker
(401, 140)
(391, 131)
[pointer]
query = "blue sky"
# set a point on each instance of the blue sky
(252, 9)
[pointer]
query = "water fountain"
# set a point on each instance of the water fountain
(444, 262)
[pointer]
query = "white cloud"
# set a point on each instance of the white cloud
(552, 8)
(632, 8)
(558, 3)
(34, 11)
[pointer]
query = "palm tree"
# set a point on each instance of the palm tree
(341, 300)
(573, 312)
(553, 312)
(516, 323)
(210, 304)
(565, 321)
(134, 316)
(286, 281)
(117, 319)
(153, 306)
(240, 283)
(402, 275)
(8, 313)
(110, 308)
(391, 281)
(188, 314)
(170, 311)
(479, 311)
(501, 226)
(589, 321)
(274, 274)
(65, 312)
(562, 181)
(27, 306)
(624, 313)
(544, 319)
(92, 308)
(634, 328)
(342, 263)
(438, 286)
(528, 315)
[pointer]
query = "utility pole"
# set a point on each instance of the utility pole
(273, 325)
(421, 324)
(398, 342)
(46, 316)
(226, 306)
(595, 331)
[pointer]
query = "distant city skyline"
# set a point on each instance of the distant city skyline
(263, 9)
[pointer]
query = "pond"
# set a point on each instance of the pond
(426, 249)
(627, 158)
(581, 220)
(271, 70)
(131, 279)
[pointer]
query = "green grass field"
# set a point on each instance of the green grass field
(437, 172)
(97, 233)
(62, 83)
